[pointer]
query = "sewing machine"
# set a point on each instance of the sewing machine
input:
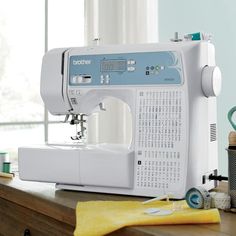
(171, 92)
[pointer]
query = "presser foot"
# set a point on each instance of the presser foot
(80, 121)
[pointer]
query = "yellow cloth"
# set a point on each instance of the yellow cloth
(102, 217)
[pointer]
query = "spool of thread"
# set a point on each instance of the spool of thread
(232, 167)
(7, 167)
(4, 157)
(220, 200)
(232, 140)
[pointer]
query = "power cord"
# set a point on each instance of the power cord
(218, 177)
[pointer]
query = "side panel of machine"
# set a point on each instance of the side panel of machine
(212, 165)
(202, 111)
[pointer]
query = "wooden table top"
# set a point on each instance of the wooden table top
(60, 204)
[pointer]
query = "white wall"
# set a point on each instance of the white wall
(219, 18)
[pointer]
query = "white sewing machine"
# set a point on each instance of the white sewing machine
(170, 90)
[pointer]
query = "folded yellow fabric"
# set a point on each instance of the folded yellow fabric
(96, 218)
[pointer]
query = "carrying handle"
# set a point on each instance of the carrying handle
(230, 116)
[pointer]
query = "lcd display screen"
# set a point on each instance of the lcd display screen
(113, 65)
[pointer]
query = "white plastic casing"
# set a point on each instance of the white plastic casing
(197, 148)
(51, 83)
(93, 165)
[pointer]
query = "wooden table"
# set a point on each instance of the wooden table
(38, 209)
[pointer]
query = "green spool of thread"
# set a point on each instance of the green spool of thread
(7, 167)
(4, 157)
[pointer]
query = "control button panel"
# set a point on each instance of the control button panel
(131, 62)
(105, 79)
(154, 69)
(80, 79)
(131, 68)
(140, 68)
(102, 78)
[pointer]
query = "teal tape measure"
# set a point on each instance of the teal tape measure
(198, 198)
(230, 116)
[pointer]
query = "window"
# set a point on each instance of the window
(65, 29)
(22, 45)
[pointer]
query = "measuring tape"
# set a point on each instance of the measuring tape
(198, 198)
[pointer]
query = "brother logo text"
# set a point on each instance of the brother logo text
(81, 62)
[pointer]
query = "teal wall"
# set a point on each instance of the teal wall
(219, 18)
